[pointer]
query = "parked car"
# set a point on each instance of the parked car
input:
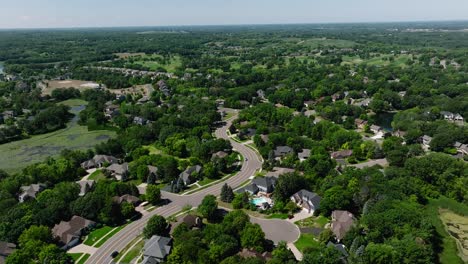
(114, 254)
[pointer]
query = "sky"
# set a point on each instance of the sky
(116, 13)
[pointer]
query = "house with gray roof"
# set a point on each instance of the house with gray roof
(307, 200)
(278, 171)
(6, 249)
(119, 171)
(265, 184)
(426, 140)
(85, 186)
(69, 233)
(156, 249)
(138, 120)
(282, 151)
(342, 221)
(461, 148)
(342, 154)
(187, 176)
(98, 161)
(303, 155)
(375, 129)
(126, 198)
(30, 191)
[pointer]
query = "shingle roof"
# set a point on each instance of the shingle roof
(67, 231)
(342, 221)
(157, 247)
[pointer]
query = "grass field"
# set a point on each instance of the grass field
(97, 175)
(326, 42)
(97, 234)
(18, 154)
(381, 60)
(449, 251)
(153, 62)
(306, 241)
(57, 84)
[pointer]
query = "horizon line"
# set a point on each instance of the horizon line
(240, 24)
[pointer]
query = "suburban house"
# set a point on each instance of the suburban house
(30, 191)
(6, 249)
(250, 253)
(156, 249)
(342, 154)
(111, 111)
(278, 171)
(375, 129)
(138, 120)
(309, 104)
(303, 155)
(362, 103)
(249, 132)
(85, 186)
(342, 221)
(126, 198)
(461, 148)
(340, 247)
(98, 161)
(265, 184)
(119, 171)
(69, 233)
(307, 200)
(219, 154)
(187, 175)
(282, 151)
(447, 115)
(265, 138)
(426, 140)
(360, 123)
(250, 189)
(399, 133)
(192, 221)
(458, 117)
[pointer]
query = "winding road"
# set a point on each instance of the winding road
(275, 230)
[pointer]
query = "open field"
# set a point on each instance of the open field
(381, 60)
(145, 89)
(18, 154)
(457, 227)
(125, 55)
(450, 251)
(49, 86)
(154, 62)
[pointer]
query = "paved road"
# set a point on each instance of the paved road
(381, 162)
(251, 164)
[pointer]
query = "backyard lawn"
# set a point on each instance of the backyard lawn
(306, 241)
(97, 175)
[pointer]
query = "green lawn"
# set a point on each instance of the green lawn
(449, 252)
(97, 234)
(97, 175)
(75, 256)
(74, 102)
(313, 221)
(83, 259)
(206, 181)
(133, 253)
(278, 216)
(113, 232)
(306, 241)
(18, 154)
(153, 62)
(381, 60)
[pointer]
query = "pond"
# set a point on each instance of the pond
(384, 120)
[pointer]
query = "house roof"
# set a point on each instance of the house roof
(85, 185)
(278, 171)
(67, 231)
(309, 197)
(191, 220)
(342, 221)
(375, 127)
(427, 138)
(157, 247)
(282, 150)
(99, 159)
(342, 154)
(32, 190)
(6, 248)
(220, 154)
(266, 182)
(118, 168)
(304, 154)
(126, 198)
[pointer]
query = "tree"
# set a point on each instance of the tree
(252, 236)
(281, 254)
(157, 225)
(287, 185)
(153, 194)
(128, 210)
(227, 195)
(240, 200)
(40, 233)
(208, 207)
(335, 198)
(380, 254)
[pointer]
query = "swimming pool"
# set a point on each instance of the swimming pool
(259, 201)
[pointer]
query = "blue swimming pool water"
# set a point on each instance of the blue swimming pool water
(259, 201)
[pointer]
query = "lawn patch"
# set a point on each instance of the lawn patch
(97, 234)
(306, 241)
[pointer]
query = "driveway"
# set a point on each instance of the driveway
(278, 230)
(381, 162)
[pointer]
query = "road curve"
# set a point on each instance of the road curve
(252, 163)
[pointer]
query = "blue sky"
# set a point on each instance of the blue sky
(103, 13)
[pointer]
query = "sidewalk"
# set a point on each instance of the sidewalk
(295, 251)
